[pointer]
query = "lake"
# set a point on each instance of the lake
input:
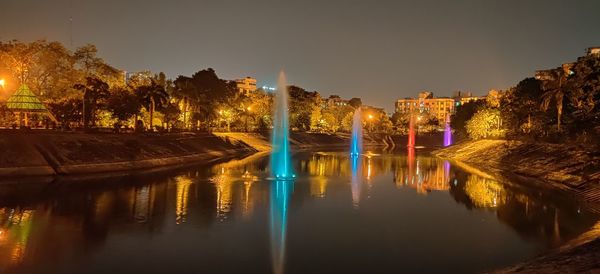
(384, 212)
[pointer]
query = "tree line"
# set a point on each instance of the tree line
(562, 105)
(82, 90)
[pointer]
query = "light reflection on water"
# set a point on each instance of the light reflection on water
(394, 210)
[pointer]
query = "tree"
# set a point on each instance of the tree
(583, 88)
(302, 105)
(171, 114)
(123, 104)
(67, 110)
(355, 102)
(46, 67)
(401, 121)
(152, 96)
(520, 107)
(93, 90)
(555, 92)
(485, 123)
(205, 94)
(464, 113)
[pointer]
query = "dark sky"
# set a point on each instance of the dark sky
(377, 50)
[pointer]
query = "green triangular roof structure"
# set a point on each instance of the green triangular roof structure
(23, 100)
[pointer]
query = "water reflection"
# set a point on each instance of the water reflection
(230, 207)
(356, 180)
(281, 192)
(182, 195)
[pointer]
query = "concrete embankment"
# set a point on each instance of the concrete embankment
(48, 153)
(306, 140)
(570, 170)
(54, 153)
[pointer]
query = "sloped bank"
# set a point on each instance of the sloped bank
(569, 171)
(55, 153)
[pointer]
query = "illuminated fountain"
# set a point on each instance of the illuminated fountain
(280, 156)
(280, 198)
(411, 132)
(447, 133)
(356, 142)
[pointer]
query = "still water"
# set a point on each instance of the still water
(382, 213)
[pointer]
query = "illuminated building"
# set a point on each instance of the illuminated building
(593, 51)
(463, 97)
(246, 85)
(439, 107)
(336, 101)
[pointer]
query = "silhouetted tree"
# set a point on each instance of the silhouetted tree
(152, 96)
(93, 90)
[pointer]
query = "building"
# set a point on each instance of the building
(336, 101)
(553, 74)
(439, 107)
(593, 51)
(463, 97)
(544, 75)
(246, 85)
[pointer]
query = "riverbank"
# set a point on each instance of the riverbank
(51, 153)
(55, 153)
(568, 171)
(306, 140)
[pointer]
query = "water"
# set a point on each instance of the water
(383, 213)
(280, 157)
(356, 141)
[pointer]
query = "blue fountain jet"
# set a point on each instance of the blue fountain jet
(281, 168)
(356, 141)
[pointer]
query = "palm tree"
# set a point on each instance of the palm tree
(93, 90)
(556, 94)
(152, 96)
(184, 91)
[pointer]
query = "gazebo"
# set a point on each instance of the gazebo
(24, 102)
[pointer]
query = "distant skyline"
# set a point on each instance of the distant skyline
(376, 50)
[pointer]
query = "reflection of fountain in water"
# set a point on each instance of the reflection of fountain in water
(356, 163)
(410, 159)
(356, 141)
(280, 195)
(447, 133)
(411, 132)
(280, 156)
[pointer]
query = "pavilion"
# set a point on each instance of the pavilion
(23, 102)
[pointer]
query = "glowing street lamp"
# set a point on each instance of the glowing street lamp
(2, 83)
(370, 122)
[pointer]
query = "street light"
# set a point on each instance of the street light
(248, 109)
(2, 83)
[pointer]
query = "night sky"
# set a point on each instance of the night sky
(377, 50)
